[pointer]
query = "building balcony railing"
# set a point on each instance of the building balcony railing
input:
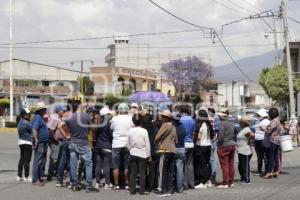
(38, 90)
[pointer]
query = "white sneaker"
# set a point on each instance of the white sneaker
(209, 184)
(108, 187)
(222, 187)
(19, 179)
(97, 186)
(201, 186)
(231, 185)
(28, 180)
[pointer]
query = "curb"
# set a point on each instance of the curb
(8, 130)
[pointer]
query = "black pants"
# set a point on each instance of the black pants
(261, 156)
(137, 166)
(152, 173)
(244, 167)
(189, 175)
(25, 158)
(202, 163)
(272, 156)
(166, 172)
(103, 165)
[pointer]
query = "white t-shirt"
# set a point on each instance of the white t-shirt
(260, 134)
(138, 142)
(121, 125)
(205, 137)
(242, 142)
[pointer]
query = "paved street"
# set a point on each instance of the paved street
(287, 186)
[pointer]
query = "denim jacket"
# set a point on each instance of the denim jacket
(25, 130)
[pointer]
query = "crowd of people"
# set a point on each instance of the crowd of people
(132, 149)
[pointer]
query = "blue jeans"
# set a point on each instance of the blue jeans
(38, 161)
(85, 153)
(179, 163)
(53, 158)
(64, 161)
(213, 161)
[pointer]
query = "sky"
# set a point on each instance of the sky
(39, 20)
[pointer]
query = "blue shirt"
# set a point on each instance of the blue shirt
(79, 126)
(40, 125)
(190, 126)
(25, 130)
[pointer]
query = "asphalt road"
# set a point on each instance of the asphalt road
(287, 186)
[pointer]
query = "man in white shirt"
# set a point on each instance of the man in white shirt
(120, 125)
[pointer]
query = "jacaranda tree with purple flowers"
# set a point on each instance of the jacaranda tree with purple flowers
(187, 74)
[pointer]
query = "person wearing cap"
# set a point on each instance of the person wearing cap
(120, 125)
(203, 136)
(260, 129)
(64, 162)
(40, 143)
(25, 145)
(103, 146)
(226, 149)
(139, 148)
(244, 149)
(55, 138)
(180, 151)
(166, 140)
(189, 124)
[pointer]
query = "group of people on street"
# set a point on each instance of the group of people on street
(132, 149)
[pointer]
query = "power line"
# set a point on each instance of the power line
(179, 18)
(237, 5)
(140, 47)
(294, 20)
(104, 37)
(228, 7)
(215, 34)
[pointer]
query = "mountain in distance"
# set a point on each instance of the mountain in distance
(252, 66)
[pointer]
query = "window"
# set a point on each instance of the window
(26, 83)
(45, 83)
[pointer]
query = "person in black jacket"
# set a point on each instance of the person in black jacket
(152, 129)
(103, 148)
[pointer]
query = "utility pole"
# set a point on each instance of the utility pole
(81, 72)
(11, 89)
(288, 58)
(277, 56)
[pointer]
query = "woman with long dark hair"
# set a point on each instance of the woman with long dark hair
(202, 137)
(273, 137)
(25, 144)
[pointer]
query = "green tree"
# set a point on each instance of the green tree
(111, 100)
(86, 86)
(275, 83)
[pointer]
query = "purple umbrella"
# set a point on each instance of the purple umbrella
(153, 97)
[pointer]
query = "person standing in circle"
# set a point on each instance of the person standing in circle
(244, 149)
(25, 144)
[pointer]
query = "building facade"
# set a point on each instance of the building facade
(34, 82)
(242, 94)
